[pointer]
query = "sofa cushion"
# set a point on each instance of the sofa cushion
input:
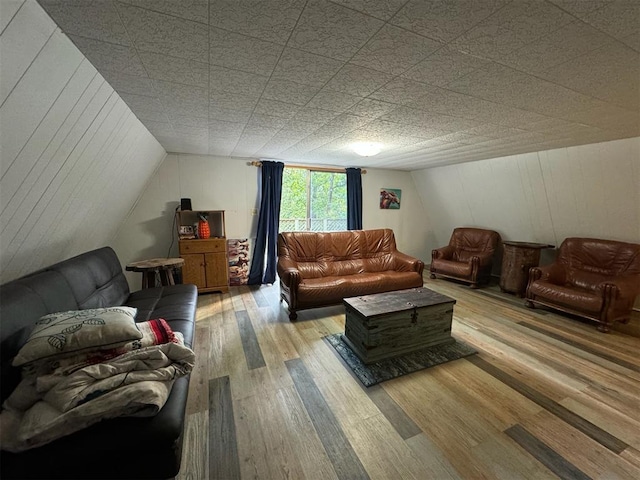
(331, 290)
(573, 297)
(175, 304)
(95, 278)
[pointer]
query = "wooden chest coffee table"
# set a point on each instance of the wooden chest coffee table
(385, 325)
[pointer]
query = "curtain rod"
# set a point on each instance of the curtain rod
(309, 167)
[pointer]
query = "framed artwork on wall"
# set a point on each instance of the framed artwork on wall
(390, 198)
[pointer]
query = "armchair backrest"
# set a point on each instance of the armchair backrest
(603, 257)
(468, 241)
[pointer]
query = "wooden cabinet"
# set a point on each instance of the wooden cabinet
(205, 259)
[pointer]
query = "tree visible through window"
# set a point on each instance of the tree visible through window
(313, 201)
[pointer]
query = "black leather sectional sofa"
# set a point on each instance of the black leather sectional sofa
(125, 447)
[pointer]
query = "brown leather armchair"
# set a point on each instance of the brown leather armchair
(468, 257)
(593, 278)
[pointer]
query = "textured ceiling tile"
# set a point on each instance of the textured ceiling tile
(179, 92)
(382, 127)
(451, 103)
(223, 79)
(432, 122)
(196, 10)
(316, 116)
(513, 27)
(185, 107)
(548, 125)
(233, 50)
(383, 9)
(263, 120)
(371, 108)
(232, 101)
(297, 128)
(188, 121)
(611, 73)
(123, 83)
(357, 80)
(486, 82)
(562, 45)
(225, 129)
(145, 108)
(223, 149)
(331, 30)
(348, 122)
(394, 50)
(191, 131)
(401, 91)
(444, 66)
(228, 115)
(444, 20)
(580, 7)
(632, 41)
(108, 56)
(492, 130)
(159, 128)
(177, 70)
(334, 101)
(276, 108)
(271, 20)
(289, 92)
(159, 33)
(97, 20)
(619, 18)
(306, 68)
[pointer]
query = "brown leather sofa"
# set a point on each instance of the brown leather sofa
(592, 278)
(318, 269)
(468, 257)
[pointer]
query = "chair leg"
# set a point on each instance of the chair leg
(529, 304)
(432, 276)
(293, 315)
(603, 327)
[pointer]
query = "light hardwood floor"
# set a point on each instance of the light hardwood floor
(547, 396)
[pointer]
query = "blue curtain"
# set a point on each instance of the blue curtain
(267, 237)
(354, 199)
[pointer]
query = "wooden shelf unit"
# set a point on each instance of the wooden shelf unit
(206, 263)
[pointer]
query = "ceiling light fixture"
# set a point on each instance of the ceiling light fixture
(367, 149)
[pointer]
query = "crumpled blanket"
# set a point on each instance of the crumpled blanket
(47, 407)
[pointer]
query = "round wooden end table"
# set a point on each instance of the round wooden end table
(517, 259)
(156, 270)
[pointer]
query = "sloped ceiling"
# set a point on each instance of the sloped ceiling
(436, 82)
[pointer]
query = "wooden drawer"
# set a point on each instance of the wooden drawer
(209, 245)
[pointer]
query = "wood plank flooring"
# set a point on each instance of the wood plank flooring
(547, 396)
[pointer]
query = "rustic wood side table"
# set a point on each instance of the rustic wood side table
(156, 269)
(517, 259)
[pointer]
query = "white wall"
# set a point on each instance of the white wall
(230, 184)
(73, 157)
(409, 223)
(589, 190)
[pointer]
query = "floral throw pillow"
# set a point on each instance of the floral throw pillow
(65, 333)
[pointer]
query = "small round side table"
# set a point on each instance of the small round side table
(156, 269)
(517, 259)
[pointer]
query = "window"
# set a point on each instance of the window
(313, 201)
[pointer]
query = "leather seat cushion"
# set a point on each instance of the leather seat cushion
(569, 296)
(331, 290)
(451, 267)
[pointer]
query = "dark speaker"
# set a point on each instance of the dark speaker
(185, 204)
